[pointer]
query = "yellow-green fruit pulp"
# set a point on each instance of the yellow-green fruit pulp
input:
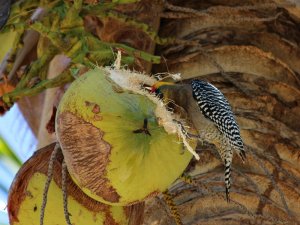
(108, 153)
(26, 194)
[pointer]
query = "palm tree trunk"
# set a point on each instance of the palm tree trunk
(250, 51)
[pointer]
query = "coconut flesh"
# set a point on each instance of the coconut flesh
(119, 142)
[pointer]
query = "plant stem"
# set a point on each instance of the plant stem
(15, 95)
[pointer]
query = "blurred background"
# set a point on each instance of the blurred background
(17, 143)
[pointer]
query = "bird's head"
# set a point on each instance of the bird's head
(157, 88)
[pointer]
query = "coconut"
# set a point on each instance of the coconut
(120, 143)
(26, 193)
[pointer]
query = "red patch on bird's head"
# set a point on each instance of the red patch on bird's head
(153, 89)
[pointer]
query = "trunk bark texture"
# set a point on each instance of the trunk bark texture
(250, 50)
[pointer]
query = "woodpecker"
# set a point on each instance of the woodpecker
(211, 115)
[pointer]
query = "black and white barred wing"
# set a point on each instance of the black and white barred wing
(215, 107)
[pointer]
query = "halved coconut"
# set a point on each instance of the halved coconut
(26, 193)
(115, 147)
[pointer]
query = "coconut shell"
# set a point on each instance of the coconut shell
(25, 197)
(114, 147)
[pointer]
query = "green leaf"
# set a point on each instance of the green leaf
(6, 40)
(5, 151)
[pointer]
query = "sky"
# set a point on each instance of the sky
(18, 135)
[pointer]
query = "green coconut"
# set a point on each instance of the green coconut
(115, 146)
(26, 193)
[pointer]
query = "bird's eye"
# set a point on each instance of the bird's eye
(158, 93)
